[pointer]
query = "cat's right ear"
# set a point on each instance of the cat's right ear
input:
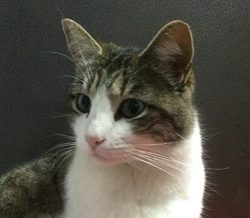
(80, 43)
(170, 53)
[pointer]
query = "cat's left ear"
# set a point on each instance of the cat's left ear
(80, 43)
(171, 52)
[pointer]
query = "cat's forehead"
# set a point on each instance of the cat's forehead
(116, 57)
(119, 72)
(118, 64)
(112, 71)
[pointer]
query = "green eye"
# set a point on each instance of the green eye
(83, 103)
(131, 108)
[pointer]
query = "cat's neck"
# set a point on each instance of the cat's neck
(131, 189)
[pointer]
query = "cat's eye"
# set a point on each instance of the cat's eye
(83, 103)
(131, 108)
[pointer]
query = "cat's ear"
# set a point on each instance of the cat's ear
(80, 43)
(171, 52)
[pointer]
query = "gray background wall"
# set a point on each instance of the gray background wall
(33, 90)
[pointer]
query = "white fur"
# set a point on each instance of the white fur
(122, 191)
(100, 122)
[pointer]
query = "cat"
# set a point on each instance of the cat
(137, 151)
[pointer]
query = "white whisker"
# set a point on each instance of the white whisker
(64, 157)
(147, 161)
(164, 161)
(62, 145)
(65, 136)
(76, 78)
(157, 144)
(66, 148)
(61, 115)
(68, 58)
(182, 137)
(127, 161)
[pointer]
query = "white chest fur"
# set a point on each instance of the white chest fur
(94, 191)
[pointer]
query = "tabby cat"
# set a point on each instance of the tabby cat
(137, 146)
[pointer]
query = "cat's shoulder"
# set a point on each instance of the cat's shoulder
(23, 187)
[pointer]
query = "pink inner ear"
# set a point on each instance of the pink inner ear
(181, 34)
(174, 39)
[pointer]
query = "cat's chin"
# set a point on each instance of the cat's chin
(108, 159)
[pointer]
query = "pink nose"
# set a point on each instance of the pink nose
(94, 141)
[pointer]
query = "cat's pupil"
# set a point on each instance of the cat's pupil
(83, 103)
(131, 108)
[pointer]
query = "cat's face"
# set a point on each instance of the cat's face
(129, 103)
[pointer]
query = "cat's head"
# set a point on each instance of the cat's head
(129, 101)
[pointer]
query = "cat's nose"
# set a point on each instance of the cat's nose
(94, 141)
